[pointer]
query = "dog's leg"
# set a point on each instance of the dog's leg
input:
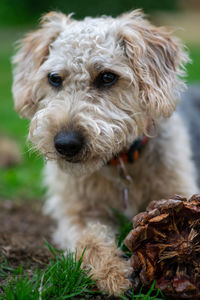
(87, 224)
(101, 255)
(104, 259)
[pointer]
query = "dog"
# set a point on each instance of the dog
(101, 95)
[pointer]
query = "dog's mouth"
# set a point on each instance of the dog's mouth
(84, 158)
(80, 158)
(73, 160)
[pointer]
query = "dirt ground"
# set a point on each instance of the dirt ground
(23, 229)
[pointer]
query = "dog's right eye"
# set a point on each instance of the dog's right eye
(106, 79)
(54, 79)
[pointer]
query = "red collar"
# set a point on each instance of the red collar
(132, 154)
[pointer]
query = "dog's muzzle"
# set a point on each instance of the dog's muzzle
(69, 144)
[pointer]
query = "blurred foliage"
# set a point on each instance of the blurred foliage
(27, 11)
(193, 68)
(24, 180)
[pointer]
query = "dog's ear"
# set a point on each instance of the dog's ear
(34, 49)
(157, 60)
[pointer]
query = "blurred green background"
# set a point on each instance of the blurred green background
(19, 16)
(27, 11)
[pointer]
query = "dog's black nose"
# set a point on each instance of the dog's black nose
(68, 143)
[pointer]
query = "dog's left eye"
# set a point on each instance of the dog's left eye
(106, 79)
(54, 79)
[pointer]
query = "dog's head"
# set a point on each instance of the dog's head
(89, 86)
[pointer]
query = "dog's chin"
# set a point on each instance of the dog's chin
(80, 168)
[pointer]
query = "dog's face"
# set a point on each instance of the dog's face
(89, 86)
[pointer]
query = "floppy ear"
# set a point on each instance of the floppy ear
(34, 49)
(158, 62)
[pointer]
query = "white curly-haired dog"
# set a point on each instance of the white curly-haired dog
(100, 94)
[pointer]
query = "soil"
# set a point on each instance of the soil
(23, 229)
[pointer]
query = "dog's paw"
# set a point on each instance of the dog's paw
(113, 275)
(105, 261)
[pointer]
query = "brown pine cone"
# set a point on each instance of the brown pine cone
(165, 243)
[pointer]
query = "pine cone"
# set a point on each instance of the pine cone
(165, 243)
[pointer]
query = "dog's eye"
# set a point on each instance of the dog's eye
(54, 79)
(106, 79)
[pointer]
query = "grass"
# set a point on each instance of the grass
(125, 227)
(63, 278)
(152, 294)
(21, 287)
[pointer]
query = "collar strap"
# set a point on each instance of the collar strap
(132, 154)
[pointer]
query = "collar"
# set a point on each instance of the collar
(132, 154)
